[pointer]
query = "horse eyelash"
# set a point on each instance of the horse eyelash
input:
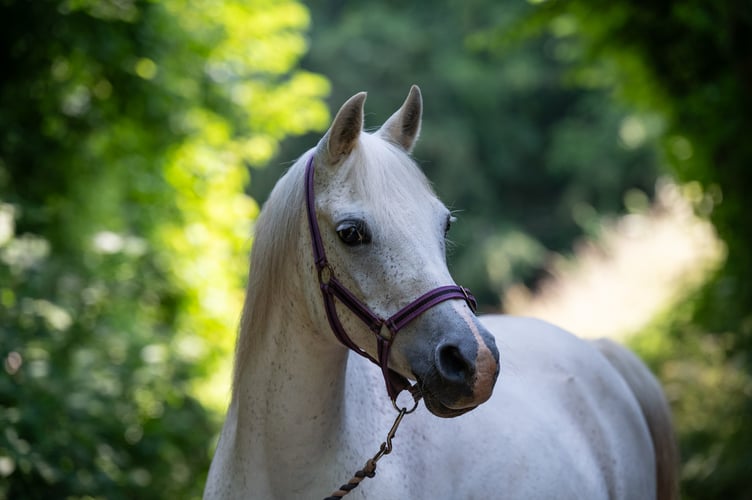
(453, 216)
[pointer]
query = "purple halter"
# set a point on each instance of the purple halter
(385, 330)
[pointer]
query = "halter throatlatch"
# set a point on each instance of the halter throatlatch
(385, 330)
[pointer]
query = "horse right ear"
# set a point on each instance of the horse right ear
(403, 127)
(343, 134)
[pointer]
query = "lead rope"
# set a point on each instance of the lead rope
(369, 469)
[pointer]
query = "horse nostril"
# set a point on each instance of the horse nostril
(452, 365)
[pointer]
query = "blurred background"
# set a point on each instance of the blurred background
(596, 154)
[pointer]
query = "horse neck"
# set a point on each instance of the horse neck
(290, 379)
(288, 396)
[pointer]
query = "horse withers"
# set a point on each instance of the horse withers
(349, 252)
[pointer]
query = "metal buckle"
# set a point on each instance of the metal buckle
(469, 302)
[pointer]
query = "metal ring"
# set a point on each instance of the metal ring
(407, 412)
(326, 273)
(386, 336)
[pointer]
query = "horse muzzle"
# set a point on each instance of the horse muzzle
(461, 371)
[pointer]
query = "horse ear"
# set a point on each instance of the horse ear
(403, 127)
(343, 134)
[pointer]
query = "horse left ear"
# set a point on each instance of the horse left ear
(403, 127)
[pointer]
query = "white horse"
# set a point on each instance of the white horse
(569, 419)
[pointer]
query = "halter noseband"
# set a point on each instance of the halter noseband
(385, 330)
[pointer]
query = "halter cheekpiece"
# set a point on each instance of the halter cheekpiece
(385, 330)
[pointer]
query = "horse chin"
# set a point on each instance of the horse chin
(438, 408)
(441, 410)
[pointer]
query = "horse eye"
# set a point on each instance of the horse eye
(353, 233)
(449, 221)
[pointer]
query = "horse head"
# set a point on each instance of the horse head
(383, 231)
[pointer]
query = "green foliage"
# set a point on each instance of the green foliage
(708, 384)
(126, 130)
(689, 61)
(528, 163)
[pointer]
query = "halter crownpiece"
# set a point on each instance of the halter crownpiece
(385, 330)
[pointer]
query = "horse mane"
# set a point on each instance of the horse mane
(376, 169)
(273, 244)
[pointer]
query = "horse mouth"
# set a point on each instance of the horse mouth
(437, 407)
